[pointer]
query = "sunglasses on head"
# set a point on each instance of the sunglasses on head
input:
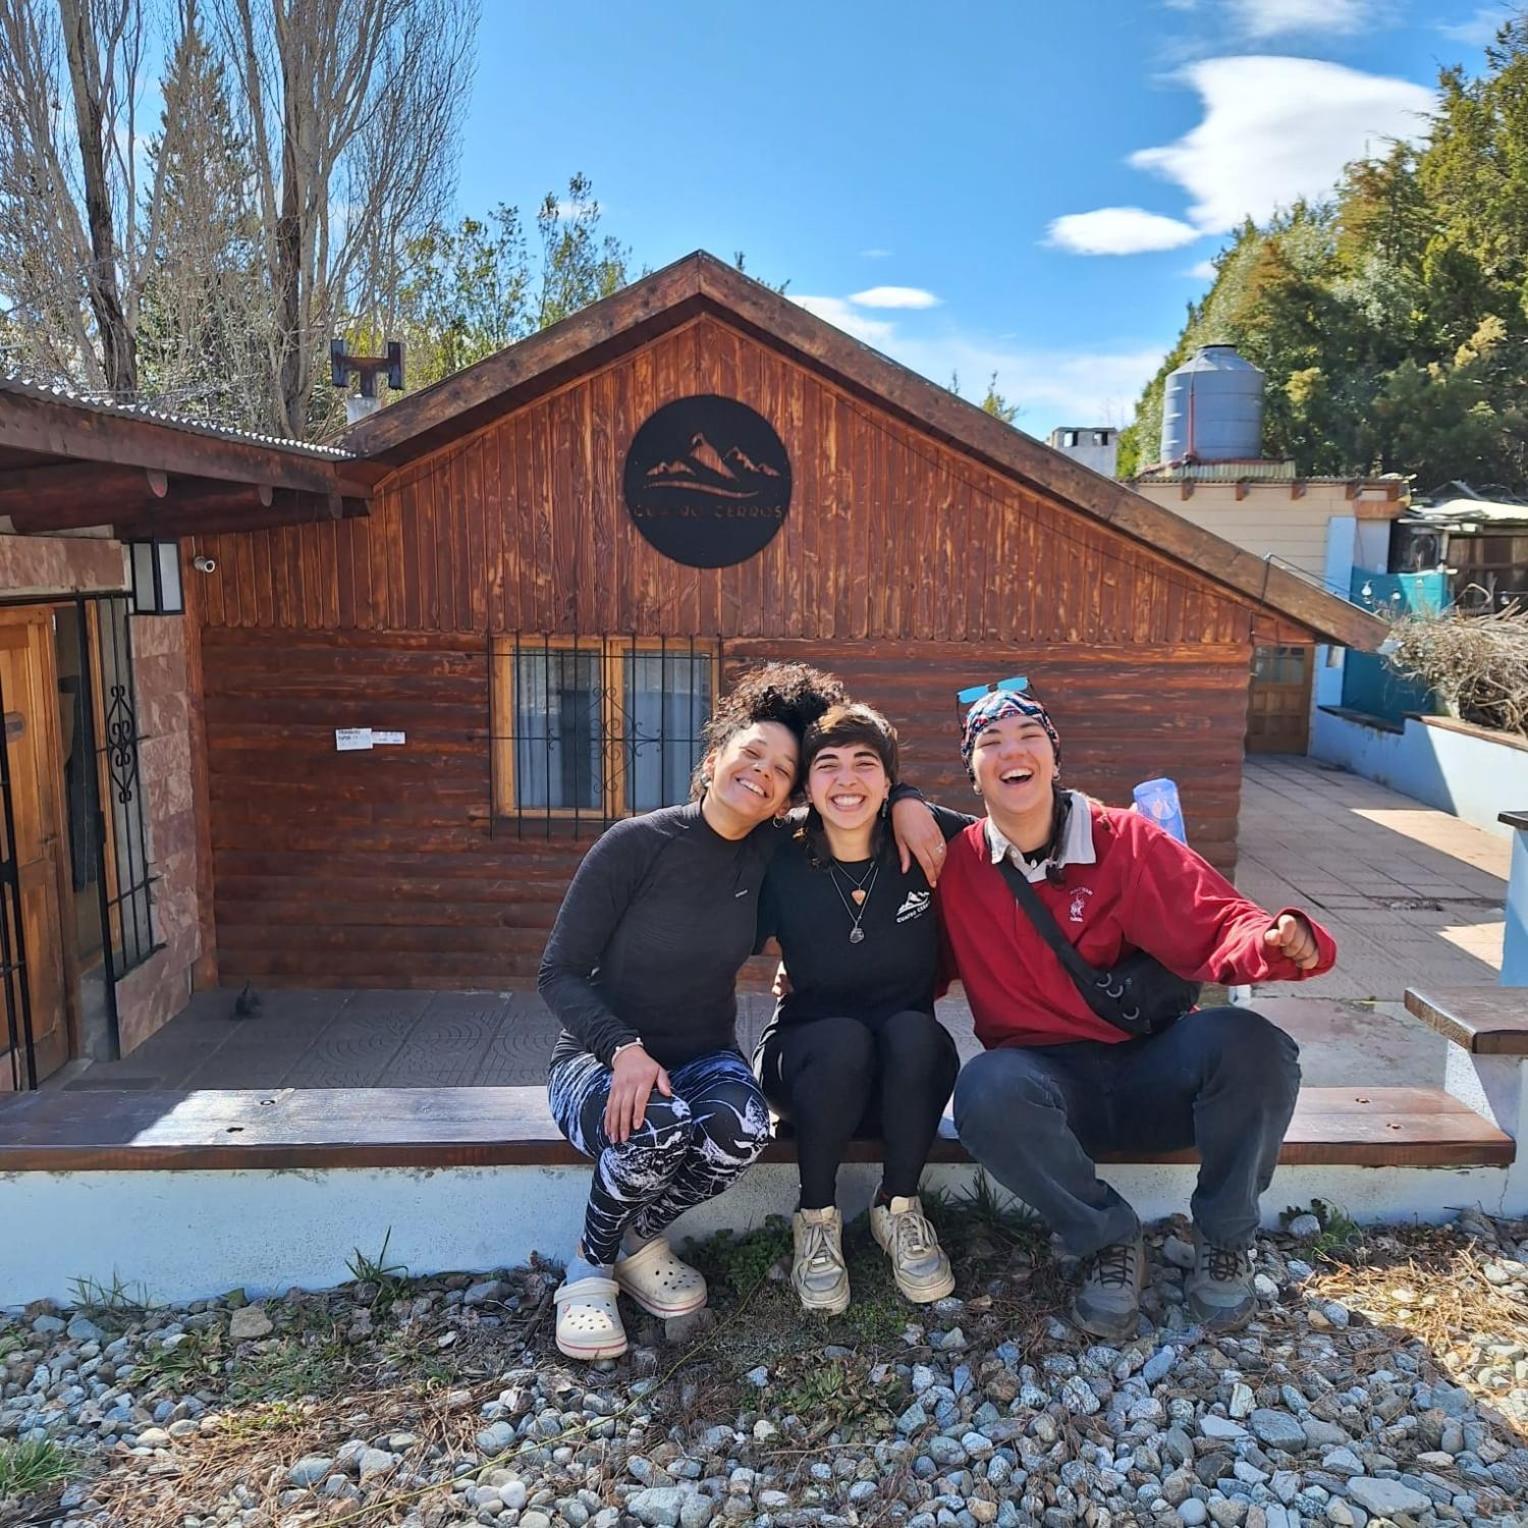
(1019, 683)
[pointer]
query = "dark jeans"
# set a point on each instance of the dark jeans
(1223, 1080)
(836, 1078)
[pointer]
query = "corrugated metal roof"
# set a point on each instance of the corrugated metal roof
(1496, 511)
(1249, 472)
(32, 387)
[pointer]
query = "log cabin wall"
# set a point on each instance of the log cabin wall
(904, 565)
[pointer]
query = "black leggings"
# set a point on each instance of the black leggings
(833, 1079)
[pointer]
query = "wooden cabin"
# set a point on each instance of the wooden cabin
(417, 718)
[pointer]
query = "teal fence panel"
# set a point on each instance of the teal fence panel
(1369, 684)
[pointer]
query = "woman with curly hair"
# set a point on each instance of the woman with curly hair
(640, 970)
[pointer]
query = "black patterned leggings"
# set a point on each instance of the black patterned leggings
(690, 1146)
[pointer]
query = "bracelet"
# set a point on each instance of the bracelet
(624, 1045)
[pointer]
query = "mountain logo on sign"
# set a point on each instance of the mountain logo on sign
(707, 481)
(705, 470)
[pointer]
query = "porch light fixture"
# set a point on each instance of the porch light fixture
(156, 578)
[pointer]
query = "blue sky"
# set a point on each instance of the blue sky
(1029, 188)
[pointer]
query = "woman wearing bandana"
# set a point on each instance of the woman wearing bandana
(1058, 1085)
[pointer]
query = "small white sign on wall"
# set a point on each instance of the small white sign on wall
(388, 739)
(349, 739)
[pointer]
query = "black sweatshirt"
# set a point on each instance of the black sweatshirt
(892, 969)
(660, 916)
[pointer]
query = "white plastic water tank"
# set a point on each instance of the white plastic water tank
(1212, 408)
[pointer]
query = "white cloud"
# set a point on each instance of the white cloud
(1480, 29)
(895, 297)
(1051, 386)
(1262, 19)
(1118, 231)
(1204, 271)
(1278, 129)
(842, 314)
(875, 254)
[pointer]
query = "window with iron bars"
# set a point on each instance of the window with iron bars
(590, 729)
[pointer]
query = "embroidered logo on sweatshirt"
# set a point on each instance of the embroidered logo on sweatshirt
(915, 906)
(1079, 903)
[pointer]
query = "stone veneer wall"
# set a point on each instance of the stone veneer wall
(55, 566)
(158, 989)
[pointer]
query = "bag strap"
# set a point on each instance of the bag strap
(1096, 988)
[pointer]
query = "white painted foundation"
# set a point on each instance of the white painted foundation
(190, 1235)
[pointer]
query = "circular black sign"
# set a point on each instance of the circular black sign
(707, 481)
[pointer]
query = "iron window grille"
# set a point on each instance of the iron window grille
(586, 730)
(125, 881)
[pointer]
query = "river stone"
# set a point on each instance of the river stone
(1277, 1429)
(658, 1506)
(309, 1470)
(249, 1323)
(1385, 1498)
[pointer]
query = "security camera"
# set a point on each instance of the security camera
(204, 564)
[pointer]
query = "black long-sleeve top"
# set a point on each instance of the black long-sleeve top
(893, 969)
(650, 936)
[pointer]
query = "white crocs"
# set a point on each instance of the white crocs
(588, 1323)
(659, 1282)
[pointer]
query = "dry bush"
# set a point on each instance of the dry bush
(1476, 663)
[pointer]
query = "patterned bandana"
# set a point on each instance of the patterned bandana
(993, 707)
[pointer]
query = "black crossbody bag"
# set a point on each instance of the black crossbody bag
(1140, 995)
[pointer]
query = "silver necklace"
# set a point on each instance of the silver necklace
(861, 895)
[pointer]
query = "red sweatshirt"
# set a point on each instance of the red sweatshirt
(1146, 891)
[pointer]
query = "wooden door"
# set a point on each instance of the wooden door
(1278, 705)
(30, 845)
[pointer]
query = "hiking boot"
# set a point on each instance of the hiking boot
(1109, 1303)
(818, 1275)
(1220, 1293)
(918, 1263)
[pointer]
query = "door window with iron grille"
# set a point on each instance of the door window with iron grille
(592, 729)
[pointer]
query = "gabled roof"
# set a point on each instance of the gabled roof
(701, 283)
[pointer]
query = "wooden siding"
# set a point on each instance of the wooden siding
(379, 868)
(905, 566)
(891, 534)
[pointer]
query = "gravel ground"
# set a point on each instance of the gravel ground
(1385, 1381)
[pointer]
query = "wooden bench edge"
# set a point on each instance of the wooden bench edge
(1435, 1013)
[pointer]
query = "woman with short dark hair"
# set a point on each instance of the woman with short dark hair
(854, 1046)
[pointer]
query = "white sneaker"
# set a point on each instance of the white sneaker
(918, 1262)
(819, 1276)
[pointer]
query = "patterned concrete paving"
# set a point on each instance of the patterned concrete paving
(1414, 897)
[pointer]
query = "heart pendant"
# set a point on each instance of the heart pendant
(859, 895)
(856, 934)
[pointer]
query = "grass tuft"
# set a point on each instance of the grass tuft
(391, 1279)
(27, 1468)
(1339, 1235)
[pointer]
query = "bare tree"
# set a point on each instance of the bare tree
(353, 109)
(336, 148)
(61, 173)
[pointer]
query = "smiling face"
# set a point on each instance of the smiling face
(847, 784)
(1014, 765)
(754, 774)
